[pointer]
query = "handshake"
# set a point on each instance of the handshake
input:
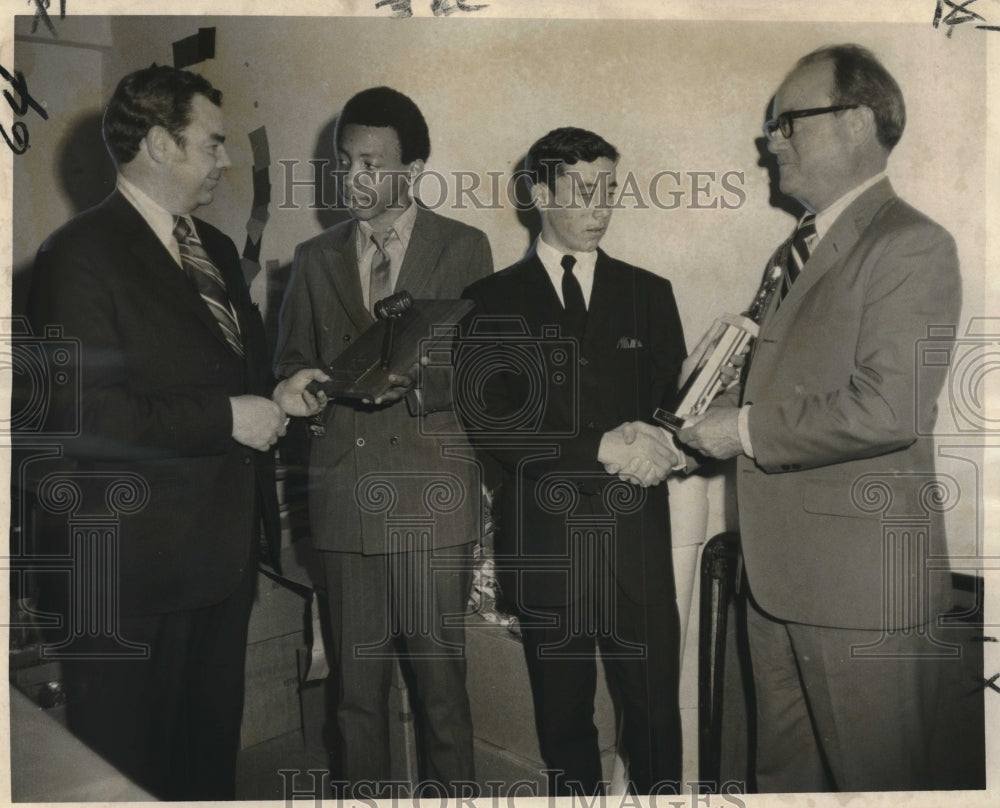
(639, 453)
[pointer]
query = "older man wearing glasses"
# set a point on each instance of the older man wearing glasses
(833, 437)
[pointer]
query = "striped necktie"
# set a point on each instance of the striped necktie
(208, 280)
(798, 251)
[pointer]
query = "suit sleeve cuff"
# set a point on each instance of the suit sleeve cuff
(415, 402)
(743, 425)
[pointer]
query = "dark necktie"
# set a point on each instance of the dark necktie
(208, 280)
(576, 308)
(380, 282)
(798, 252)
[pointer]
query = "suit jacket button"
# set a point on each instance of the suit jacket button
(246, 460)
(394, 440)
(347, 337)
(584, 361)
(591, 425)
(360, 442)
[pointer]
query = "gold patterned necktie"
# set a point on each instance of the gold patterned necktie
(208, 280)
(380, 282)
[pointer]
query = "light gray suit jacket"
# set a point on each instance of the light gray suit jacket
(383, 479)
(840, 513)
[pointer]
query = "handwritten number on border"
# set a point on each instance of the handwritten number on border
(958, 14)
(42, 15)
(20, 104)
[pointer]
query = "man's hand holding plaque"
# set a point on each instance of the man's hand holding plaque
(712, 366)
(382, 365)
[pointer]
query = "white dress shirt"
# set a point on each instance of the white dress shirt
(160, 220)
(551, 259)
(395, 248)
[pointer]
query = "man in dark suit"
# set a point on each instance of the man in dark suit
(835, 448)
(393, 489)
(568, 355)
(174, 408)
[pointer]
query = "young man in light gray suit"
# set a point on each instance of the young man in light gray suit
(394, 509)
(834, 442)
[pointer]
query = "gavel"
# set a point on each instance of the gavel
(391, 308)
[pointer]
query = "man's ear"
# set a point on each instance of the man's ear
(862, 124)
(159, 144)
(541, 194)
(414, 170)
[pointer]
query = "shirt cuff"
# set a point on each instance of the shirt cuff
(682, 461)
(743, 425)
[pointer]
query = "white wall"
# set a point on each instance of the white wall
(677, 96)
(681, 96)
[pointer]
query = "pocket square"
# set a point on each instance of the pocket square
(629, 342)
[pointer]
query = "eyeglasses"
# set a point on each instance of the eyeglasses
(784, 121)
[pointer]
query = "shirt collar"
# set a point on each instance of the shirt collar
(551, 258)
(402, 227)
(826, 217)
(158, 218)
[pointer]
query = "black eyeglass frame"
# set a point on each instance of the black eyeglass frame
(784, 120)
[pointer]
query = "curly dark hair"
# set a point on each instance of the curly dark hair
(155, 96)
(549, 156)
(383, 106)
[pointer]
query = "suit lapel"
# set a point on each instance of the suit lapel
(341, 263)
(153, 259)
(610, 299)
(539, 302)
(832, 249)
(422, 254)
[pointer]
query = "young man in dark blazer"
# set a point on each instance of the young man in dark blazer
(569, 354)
(176, 425)
(393, 488)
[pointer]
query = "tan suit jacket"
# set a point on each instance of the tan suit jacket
(382, 470)
(840, 514)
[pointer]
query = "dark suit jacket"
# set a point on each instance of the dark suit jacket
(539, 403)
(383, 468)
(156, 375)
(838, 513)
